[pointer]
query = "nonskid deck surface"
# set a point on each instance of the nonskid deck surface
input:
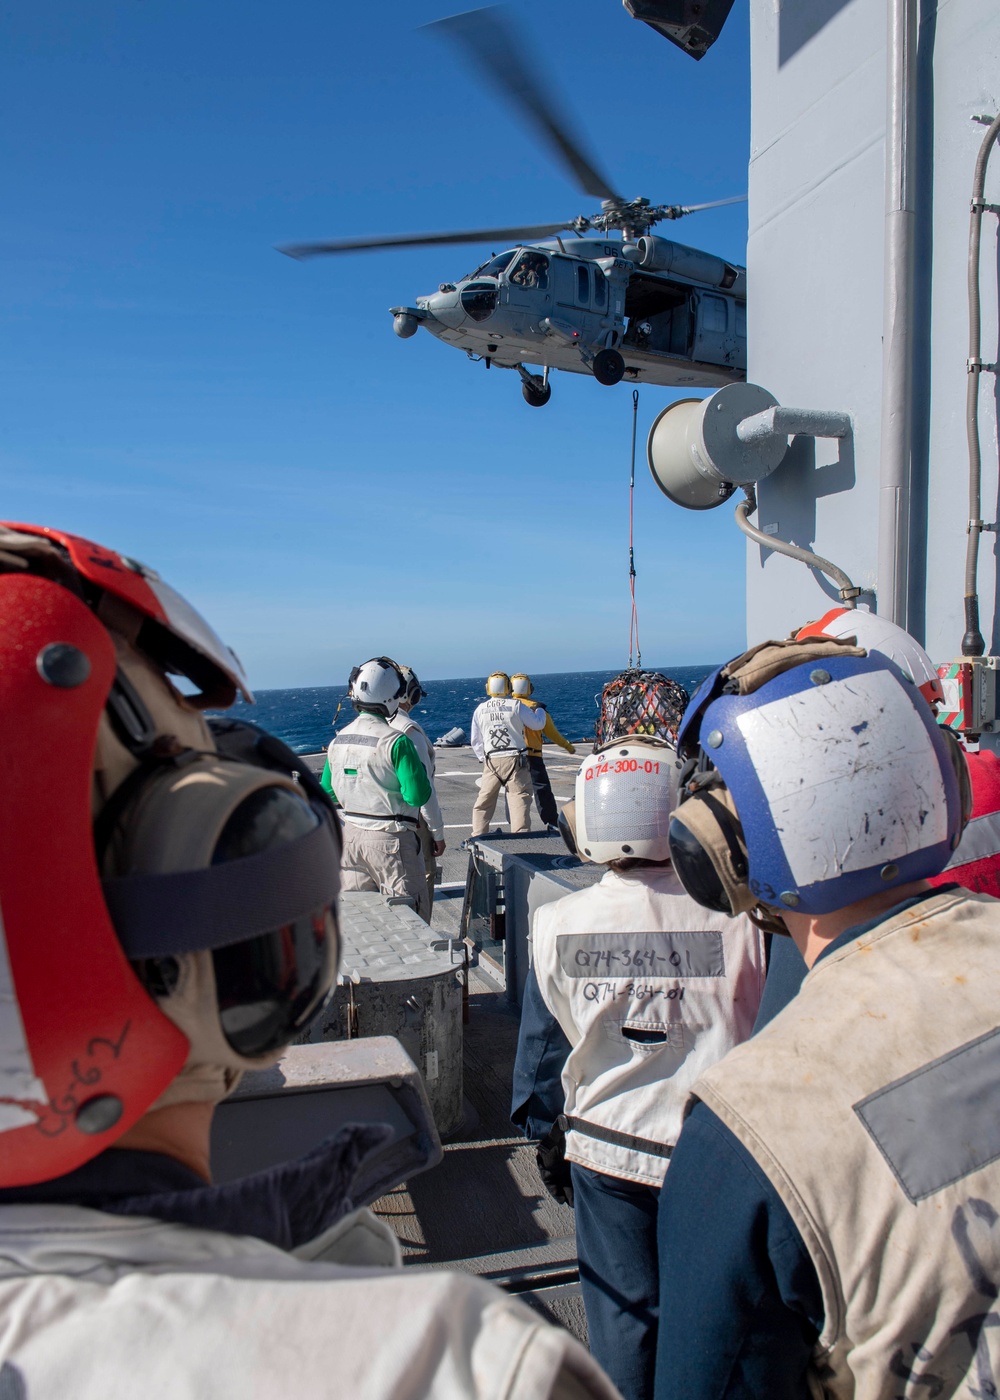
(484, 1209)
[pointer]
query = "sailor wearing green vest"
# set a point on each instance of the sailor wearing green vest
(376, 776)
(829, 1223)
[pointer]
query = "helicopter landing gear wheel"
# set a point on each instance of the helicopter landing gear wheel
(537, 394)
(535, 387)
(608, 367)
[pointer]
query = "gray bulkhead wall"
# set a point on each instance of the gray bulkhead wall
(815, 254)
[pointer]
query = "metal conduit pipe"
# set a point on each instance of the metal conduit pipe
(972, 642)
(848, 592)
(897, 324)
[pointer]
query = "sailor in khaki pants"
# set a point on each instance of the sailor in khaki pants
(498, 741)
(375, 774)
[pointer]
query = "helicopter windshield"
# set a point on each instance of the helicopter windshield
(495, 266)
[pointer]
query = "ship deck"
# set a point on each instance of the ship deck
(484, 1209)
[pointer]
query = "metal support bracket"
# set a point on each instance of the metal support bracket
(781, 421)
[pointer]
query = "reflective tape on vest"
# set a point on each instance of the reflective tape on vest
(980, 841)
(935, 1125)
(662, 954)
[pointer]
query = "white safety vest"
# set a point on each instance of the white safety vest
(104, 1307)
(364, 779)
(650, 989)
(414, 731)
(872, 1103)
(498, 726)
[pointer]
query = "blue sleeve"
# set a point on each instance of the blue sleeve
(740, 1302)
(786, 968)
(542, 1051)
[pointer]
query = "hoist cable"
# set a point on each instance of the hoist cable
(633, 623)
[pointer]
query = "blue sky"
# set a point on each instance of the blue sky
(249, 425)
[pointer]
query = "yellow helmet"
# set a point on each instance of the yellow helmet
(498, 685)
(520, 685)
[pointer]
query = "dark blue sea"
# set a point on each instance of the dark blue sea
(304, 717)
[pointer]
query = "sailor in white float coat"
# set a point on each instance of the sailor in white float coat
(376, 775)
(498, 742)
(430, 830)
(634, 991)
(837, 1181)
(131, 1005)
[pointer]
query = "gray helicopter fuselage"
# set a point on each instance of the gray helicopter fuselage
(676, 315)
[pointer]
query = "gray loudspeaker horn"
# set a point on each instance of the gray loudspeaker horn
(696, 455)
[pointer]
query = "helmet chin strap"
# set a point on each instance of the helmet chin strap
(768, 920)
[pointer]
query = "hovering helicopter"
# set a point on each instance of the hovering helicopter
(596, 294)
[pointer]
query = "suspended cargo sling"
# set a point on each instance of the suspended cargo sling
(640, 702)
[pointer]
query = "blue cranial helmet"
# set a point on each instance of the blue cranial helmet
(827, 783)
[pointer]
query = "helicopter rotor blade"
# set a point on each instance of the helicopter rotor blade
(489, 40)
(506, 236)
(712, 204)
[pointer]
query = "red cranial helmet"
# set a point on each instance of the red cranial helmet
(154, 862)
(885, 638)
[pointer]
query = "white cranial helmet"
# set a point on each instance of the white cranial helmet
(377, 685)
(521, 686)
(884, 638)
(625, 794)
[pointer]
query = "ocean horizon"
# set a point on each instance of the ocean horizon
(305, 716)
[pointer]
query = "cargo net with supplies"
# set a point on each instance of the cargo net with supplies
(640, 703)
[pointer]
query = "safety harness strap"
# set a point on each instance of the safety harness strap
(382, 817)
(611, 1135)
(521, 756)
(185, 911)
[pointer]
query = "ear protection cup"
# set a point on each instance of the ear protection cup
(708, 851)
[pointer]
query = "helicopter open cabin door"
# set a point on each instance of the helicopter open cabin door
(526, 288)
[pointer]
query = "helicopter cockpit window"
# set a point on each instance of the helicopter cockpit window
(530, 271)
(496, 265)
(479, 300)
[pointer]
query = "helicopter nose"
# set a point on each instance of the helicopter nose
(445, 307)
